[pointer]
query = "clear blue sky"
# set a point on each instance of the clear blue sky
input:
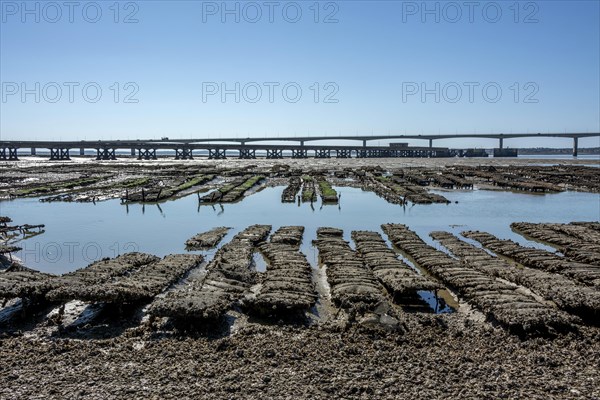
(377, 58)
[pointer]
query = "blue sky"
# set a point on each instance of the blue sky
(379, 66)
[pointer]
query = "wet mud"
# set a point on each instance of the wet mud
(526, 324)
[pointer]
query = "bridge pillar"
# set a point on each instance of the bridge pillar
(216, 154)
(59, 154)
(33, 151)
(82, 152)
(105, 154)
(501, 143)
(324, 153)
(132, 152)
(247, 154)
(575, 143)
(430, 143)
(8, 154)
(274, 154)
(364, 143)
(343, 153)
(147, 154)
(184, 154)
(299, 153)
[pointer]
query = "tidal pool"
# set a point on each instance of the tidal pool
(79, 233)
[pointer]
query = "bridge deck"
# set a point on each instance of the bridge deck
(184, 147)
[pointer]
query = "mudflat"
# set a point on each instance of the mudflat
(384, 312)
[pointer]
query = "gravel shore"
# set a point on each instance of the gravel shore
(443, 356)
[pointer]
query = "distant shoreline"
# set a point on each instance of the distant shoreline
(551, 151)
(522, 151)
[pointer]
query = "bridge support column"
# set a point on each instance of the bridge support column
(501, 143)
(324, 153)
(430, 143)
(344, 153)
(59, 154)
(300, 153)
(105, 154)
(132, 152)
(33, 151)
(274, 154)
(364, 143)
(575, 145)
(375, 153)
(184, 154)
(247, 154)
(82, 152)
(147, 154)
(8, 154)
(216, 154)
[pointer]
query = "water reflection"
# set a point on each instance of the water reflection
(77, 233)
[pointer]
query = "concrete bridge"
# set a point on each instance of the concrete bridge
(366, 138)
(147, 150)
(219, 148)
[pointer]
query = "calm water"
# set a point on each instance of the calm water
(77, 234)
(592, 158)
(595, 157)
